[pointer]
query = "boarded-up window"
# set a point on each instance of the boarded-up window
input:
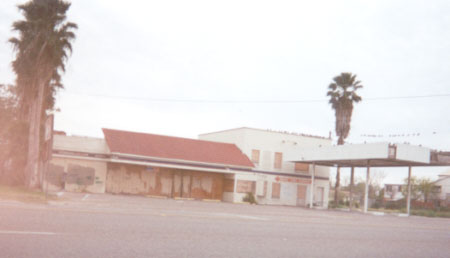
(276, 189)
(255, 156)
(278, 159)
(301, 192)
(245, 186)
(302, 167)
(228, 185)
(80, 175)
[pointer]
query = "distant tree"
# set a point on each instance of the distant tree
(12, 138)
(415, 192)
(42, 49)
(421, 188)
(7, 110)
(360, 188)
(427, 188)
(342, 93)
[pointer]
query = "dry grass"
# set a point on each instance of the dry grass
(23, 194)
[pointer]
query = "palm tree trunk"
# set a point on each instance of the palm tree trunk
(351, 187)
(32, 168)
(336, 188)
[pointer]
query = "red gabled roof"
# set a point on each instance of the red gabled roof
(167, 147)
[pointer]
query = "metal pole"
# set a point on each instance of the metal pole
(235, 185)
(46, 179)
(181, 184)
(311, 195)
(408, 202)
(49, 124)
(351, 187)
(366, 191)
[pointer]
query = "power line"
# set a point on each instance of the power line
(402, 134)
(206, 101)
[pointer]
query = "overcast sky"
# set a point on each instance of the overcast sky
(134, 60)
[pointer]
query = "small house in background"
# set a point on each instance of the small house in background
(393, 192)
(443, 188)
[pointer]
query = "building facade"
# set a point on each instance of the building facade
(274, 180)
(146, 164)
(224, 166)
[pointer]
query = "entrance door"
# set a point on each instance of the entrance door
(288, 195)
(177, 184)
(318, 196)
(186, 186)
(301, 195)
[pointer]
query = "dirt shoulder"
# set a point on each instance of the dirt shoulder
(23, 194)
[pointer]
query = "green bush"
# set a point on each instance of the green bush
(396, 205)
(431, 213)
(250, 198)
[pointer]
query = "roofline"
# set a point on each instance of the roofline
(178, 160)
(269, 131)
(79, 136)
(347, 163)
(212, 168)
(84, 151)
(169, 136)
(71, 156)
(443, 177)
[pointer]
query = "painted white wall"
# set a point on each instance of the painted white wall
(342, 152)
(80, 144)
(268, 143)
(99, 180)
(238, 197)
(444, 182)
(413, 153)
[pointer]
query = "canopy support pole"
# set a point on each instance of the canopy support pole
(351, 187)
(366, 190)
(234, 189)
(408, 201)
(311, 195)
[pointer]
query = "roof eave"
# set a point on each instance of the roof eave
(181, 161)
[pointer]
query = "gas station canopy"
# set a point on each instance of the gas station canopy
(373, 155)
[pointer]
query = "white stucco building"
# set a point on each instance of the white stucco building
(274, 180)
(443, 185)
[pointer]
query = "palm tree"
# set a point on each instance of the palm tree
(42, 48)
(342, 93)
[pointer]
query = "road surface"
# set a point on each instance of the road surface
(133, 226)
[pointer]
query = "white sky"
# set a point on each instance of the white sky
(254, 50)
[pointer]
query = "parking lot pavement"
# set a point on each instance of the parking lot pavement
(90, 225)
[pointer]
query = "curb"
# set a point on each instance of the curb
(211, 200)
(157, 196)
(242, 203)
(183, 199)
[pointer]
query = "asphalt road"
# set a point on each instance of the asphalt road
(130, 226)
